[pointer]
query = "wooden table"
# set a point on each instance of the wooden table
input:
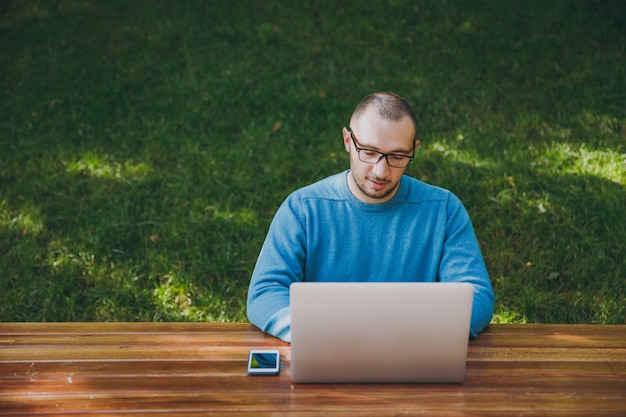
(199, 369)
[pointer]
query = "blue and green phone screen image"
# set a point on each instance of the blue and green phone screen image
(263, 361)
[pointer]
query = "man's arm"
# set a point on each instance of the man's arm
(462, 261)
(280, 262)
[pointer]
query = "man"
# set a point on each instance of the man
(369, 223)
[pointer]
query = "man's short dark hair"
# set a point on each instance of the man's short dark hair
(390, 106)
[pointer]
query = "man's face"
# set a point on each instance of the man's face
(377, 183)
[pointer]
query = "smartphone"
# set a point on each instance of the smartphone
(264, 362)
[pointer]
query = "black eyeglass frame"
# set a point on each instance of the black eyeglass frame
(382, 154)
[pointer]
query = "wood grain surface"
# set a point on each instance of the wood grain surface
(199, 369)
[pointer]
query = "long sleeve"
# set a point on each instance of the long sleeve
(462, 261)
(280, 262)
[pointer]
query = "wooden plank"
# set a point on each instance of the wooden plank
(574, 335)
(533, 412)
(105, 367)
(324, 402)
(237, 366)
(128, 327)
(496, 330)
(547, 354)
(117, 353)
(164, 341)
(551, 335)
(216, 381)
(240, 350)
(614, 339)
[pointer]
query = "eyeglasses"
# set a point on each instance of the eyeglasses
(370, 156)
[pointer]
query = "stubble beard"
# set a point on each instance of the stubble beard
(377, 195)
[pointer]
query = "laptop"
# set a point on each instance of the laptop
(383, 332)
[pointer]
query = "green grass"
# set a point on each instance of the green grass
(145, 145)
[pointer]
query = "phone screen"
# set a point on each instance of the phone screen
(264, 362)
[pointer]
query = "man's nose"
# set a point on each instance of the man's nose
(381, 168)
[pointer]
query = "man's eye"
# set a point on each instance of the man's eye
(397, 158)
(372, 154)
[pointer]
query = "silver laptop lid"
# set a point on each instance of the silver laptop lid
(380, 332)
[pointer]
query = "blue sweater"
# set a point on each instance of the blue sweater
(323, 233)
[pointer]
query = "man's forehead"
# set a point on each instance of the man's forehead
(370, 126)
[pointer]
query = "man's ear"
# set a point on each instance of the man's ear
(417, 144)
(347, 141)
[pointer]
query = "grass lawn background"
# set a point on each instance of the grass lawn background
(145, 145)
